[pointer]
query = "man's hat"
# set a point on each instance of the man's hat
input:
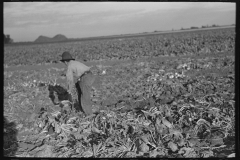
(66, 56)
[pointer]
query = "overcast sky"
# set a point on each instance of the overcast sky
(25, 21)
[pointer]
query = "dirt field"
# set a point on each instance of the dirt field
(149, 107)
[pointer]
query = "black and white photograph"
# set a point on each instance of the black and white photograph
(119, 79)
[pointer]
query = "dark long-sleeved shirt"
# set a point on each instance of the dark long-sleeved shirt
(74, 68)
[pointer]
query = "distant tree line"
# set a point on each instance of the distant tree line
(207, 26)
(214, 25)
(7, 39)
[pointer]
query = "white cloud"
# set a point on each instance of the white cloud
(219, 5)
(71, 8)
(80, 10)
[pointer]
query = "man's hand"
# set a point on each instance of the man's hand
(70, 97)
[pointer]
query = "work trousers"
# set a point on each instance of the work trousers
(84, 92)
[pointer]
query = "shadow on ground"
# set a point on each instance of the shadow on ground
(59, 93)
(10, 145)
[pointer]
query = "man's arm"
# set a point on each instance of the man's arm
(70, 82)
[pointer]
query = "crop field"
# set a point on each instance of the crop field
(164, 96)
